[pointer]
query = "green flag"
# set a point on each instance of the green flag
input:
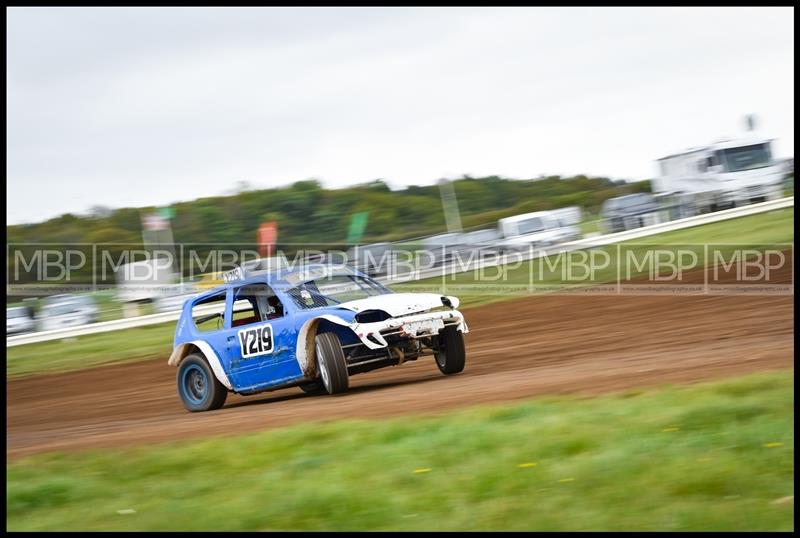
(166, 212)
(358, 223)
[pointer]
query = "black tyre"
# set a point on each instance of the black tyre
(198, 387)
(315, 387)
(331, 362)
(452, 354)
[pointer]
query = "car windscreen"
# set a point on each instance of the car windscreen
(531, 225)
(60, 309)
(630, 202)
(636, 201)
(13, 313)
(57, 299)
(747, 157)
(334, 289)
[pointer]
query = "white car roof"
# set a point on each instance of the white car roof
(722, 144)
(526, 216)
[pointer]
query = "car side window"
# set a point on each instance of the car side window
(254, 303)
(209, 314)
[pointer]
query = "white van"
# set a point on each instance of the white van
(60, 311)
(723, 174)
(538, 229)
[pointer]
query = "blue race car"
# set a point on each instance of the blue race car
(311, 327)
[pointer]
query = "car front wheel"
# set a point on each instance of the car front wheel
(451, 354)
(331, 363)
(198, 387)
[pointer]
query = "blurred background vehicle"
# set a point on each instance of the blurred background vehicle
(537, 229)
(629, 212)
(443, 248)
(480, 238)
(479, 243)
(19, 319)
(65, 310)
(210, 280)
(568, 216)
(724, 174)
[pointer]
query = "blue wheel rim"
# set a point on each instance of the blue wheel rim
(194, 384)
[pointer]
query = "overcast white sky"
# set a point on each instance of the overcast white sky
(129, 107)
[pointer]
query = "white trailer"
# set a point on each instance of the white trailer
(539, 229)
(724, 174)
(568, 216)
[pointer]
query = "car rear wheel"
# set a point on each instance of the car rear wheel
(451, 356)
(331, 362)
(198, 387)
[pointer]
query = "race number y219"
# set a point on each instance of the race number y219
(256, 341)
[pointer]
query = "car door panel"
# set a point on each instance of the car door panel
(261, 354)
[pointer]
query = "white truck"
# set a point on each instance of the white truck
(539, 229)
(724, 174)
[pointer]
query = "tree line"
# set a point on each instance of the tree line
(308, 212)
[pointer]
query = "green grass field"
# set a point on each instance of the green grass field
(139, 343)
(757, 231)
(715, 456)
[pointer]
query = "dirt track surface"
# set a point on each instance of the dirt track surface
(516, 349)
